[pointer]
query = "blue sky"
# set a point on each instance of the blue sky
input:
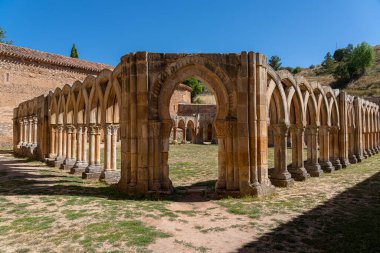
(299, 31)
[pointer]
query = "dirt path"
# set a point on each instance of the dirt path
(202, 227)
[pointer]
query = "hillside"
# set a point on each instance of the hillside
(367, 85)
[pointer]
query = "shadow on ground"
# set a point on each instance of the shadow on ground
(350, 222)
(18, 177)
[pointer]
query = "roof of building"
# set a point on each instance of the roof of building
(54, 59)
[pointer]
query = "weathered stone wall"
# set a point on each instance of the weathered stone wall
(181, 95)
(22, 79)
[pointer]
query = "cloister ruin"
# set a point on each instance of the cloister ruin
(254, 102)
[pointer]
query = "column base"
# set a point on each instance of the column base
(369, 153)
(58, 162)
(360, 158)
(110, 176)
(79, 168)
(50, 162)
(345, 163)
(281, 180)
(336, 163)
(353, 159)
(67, 164)
(314, 170)
(92, 172)
(327, 167)
(298, 174)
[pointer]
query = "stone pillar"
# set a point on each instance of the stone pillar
(53, 151)
(280, 175)
(64, 141)
(324, 140)
(26, 125)
(184, 135)
(221, 132)
(74, 144)
(107, 147)
(93, 170)
(351, 139)
(297, 169)
(312, 166)
(115, 129)
(70, 160)
(30, 130)
(60, 156)
(20, 132)
(81, 159)
(35, 124)
(334, 147)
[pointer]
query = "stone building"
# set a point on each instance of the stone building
(66, 125)
(27, 73)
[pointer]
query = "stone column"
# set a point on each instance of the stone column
(334, 148)
(107, 148)
(114, 147)
(84, 144)
(20, 132)
(280, 175)
(53, 151)
(368, 143)
(35, 122)
(30, 130)
(324, 140)
(97, 146)
(221, 132)
(351, 139)
(297, 169)
(81, 156)
(64, 141)
(69, 133)
(73, 144)
(93, 170)
(26, 125)
(312, 166)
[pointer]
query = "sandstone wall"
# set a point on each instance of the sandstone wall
(21, 80)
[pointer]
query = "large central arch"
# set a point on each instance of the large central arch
(239, 84)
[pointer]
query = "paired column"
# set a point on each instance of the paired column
(334, 147)
(53, 151)
(21, 132)
(110, 151)
(60, 142)
(280, 175)
(25, 135)
(94, 149)
(80, 145)
(30, 130)
(312, 166)
(351, 147)
(324, 140)
(297, 169)
(35, 122)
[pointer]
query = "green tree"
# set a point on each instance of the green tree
(355, 64)
(362, 57)
(328, 63)
(342, 54)
(193, 83)
(275, 62)
(3, 36)
(296, 70)
(74, 53)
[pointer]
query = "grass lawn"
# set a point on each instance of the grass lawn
(47, 210)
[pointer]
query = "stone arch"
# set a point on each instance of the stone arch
(191, 131)
(216, 85)
(95, 105)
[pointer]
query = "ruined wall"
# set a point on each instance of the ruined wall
(181, 95)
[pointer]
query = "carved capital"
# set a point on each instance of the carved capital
(280, 129)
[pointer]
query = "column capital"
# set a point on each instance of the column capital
(221, 130)
(313, 129)
(280, 129)
(324, 129)
(35, 119)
